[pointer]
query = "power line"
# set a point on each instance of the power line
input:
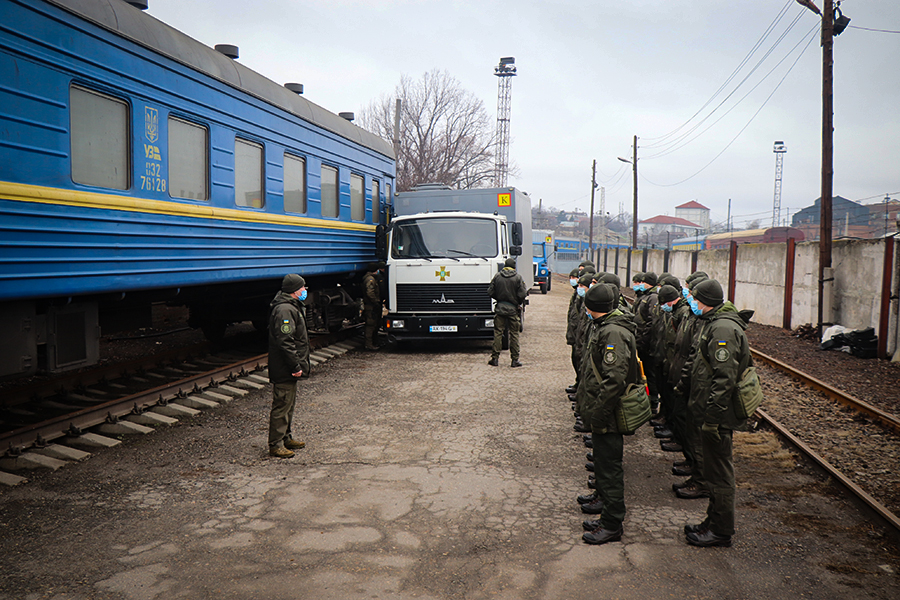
(745, 126)
(870, 29)
(730, 77)
(677, 144)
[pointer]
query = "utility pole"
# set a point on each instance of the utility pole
(591, 218)
(728, 220)
(827, 160)
(634, 224)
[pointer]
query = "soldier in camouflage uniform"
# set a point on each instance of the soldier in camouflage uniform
(288, 361)
(372, 305)
(508, 289)
(610, 363)
(723, 354)
(572, 317)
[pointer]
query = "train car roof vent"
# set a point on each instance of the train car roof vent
(347, 115)
(140, 4)
(297, 88)
(228, 50)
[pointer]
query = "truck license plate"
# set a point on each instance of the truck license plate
(441, 328)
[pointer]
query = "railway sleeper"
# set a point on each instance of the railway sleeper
(77, 444)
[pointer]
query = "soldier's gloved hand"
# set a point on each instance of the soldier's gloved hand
(711, 431)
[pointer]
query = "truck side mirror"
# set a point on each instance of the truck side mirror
(517, 234)
(515, 250)
(556, 247)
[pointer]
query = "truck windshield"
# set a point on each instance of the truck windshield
(538, 251)
(444, 237)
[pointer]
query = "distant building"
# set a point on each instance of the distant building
(848, 219)
(662, 229)
(883, 217)
(694, 212)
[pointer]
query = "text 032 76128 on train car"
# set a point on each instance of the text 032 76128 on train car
(139, 165)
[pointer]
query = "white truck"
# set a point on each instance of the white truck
(444, 246)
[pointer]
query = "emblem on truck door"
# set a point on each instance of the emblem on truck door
(443, 273)
(444, 301)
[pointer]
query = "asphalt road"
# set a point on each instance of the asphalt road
(427, 474)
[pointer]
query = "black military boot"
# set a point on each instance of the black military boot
(602, 536)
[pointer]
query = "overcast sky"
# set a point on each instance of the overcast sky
(593, 74)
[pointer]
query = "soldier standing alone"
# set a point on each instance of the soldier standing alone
(288, 361)
(372, 304)
(508, 289)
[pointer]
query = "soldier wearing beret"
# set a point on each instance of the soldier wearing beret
(288, 361)
(610, 363)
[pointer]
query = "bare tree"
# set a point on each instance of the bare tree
(446, 136)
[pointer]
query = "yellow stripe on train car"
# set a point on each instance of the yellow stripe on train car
(21, 192)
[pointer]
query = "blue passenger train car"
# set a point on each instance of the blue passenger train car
(138, 165)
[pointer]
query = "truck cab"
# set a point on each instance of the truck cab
(544, 255)
(439, 267)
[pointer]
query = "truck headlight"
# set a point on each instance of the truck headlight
(489, 323)
(398, 324)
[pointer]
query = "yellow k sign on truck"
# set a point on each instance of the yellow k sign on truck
(444, 246)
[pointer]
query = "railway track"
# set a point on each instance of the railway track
(855, 443)
(140, 396)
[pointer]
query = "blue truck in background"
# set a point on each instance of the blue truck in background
(543, 258)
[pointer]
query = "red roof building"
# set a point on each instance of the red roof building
(694, 212)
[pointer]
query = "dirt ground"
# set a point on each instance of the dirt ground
(427, 474)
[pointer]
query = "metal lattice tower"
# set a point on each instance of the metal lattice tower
(505, 71)
(779, 159)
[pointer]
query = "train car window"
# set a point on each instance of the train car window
(188, 160)
(376, 199)
(294, 184)
(387, 193)
(99, 139)
(330, 207)
(357, 198)
(248, 173)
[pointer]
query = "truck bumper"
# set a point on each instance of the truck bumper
(423, 327)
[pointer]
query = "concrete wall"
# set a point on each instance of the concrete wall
(804, 308)
(715, 264)
(759, 281)
(858, 266)
(680, 264)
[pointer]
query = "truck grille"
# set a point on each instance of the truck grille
(451, 297)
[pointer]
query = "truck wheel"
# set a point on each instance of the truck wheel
(544, 288)
(549, 282)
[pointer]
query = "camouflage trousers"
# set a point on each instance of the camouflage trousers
(512, 324)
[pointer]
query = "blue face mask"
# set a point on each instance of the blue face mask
(637, 287)
(302, 296)
(590, 316)
(573, 282)
(685, 292)
(694, 307)
(666, 307)
(582, 291)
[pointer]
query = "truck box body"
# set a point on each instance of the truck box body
(444, 248)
